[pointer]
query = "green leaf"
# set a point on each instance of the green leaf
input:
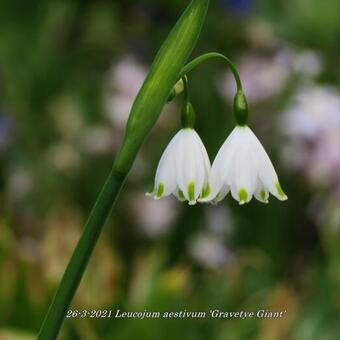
(162, 76)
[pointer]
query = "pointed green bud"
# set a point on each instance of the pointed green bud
(188, 116)
(240, 108)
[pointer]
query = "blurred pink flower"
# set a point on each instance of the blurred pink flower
(209, 251)
(125, 79)
(266, 76)
(262, 78)
(311, 125)
(154, 218)
(208, 248)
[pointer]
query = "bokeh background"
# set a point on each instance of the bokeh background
(69, 71)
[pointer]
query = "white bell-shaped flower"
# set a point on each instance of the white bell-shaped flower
(183, 169)
(243, 167)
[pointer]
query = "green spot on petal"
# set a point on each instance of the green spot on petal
(180, 194)
(206, 191)
(263, 195)
(191, 191)
(280, 191)
(160, 190)
(243, 195)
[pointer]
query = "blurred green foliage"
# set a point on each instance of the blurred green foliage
(57, 143)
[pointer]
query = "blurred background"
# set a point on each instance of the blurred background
(69, 71)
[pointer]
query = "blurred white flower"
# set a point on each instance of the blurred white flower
(311, 125)
(308, 63)
(126, 78)
(124, 81)
(154, 218)
(314, 110)
(243, 167)
(183, 169)
(220, 220)
(209, 251)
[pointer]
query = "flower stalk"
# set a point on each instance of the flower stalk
(145, 111)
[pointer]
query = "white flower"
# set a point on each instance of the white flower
(183, 169)
(243, 167)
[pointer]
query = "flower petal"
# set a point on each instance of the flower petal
(261, 194)
(222, 193)
(220, 170)
(200, 167)
(178, 193)
(165, 180)
(265, 169)
(190, 165)
(243, 176)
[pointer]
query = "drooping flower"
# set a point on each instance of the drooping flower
(243, 167)
(183, 169)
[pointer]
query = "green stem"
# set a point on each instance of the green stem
(186, 89)
(81, 256)
(188, 116)
(197, 61)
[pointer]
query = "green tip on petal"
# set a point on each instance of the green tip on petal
(181, 195)
(243, 195)
(151, 190)
(206, 191)
(263, 195)
(160, 190)
(282, 195)
(191, 192)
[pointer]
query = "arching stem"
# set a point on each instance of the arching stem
(199, 60)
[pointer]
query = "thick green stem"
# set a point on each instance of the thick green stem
(144, 113)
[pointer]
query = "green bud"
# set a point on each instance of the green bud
(240, 108)
(188, 116)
